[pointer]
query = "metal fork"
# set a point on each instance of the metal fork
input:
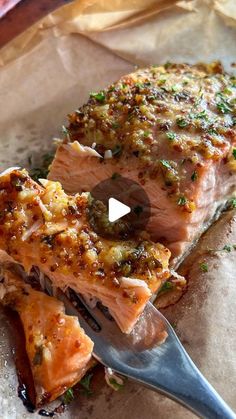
(166, 367)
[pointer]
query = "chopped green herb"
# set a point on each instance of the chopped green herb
(38, 173)
(161, 81)
(42, 172)
(232, 202)
(167, 64)
(171, 135)
(175, 88)
(85, 382)
(234, 153)
(227, 247)
(194, 176)
(199, 98)
(165, 287)
(204, 267)
(212, 131)
(139, 85)
(138, 210)
(181, 122)
(65, 131)
(201, 115)
(68, 396)
(100, 97)
(115, 125)
(146, 134)
(116, 385)
(227, 91)
(166, 164)
(182, 200)
(224, 107)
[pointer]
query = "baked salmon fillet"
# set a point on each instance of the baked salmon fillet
(171, 128)
(42, 226)
(58, 349)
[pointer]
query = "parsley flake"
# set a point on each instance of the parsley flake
(68, 396)
(146, 134)
(165, 287)
(234, 153)
(167, 65)
(161, 81)
(42, 171)
(139, 85)
(224, 107)
(171, 135)
(100, 97)
(115, 125)
(227, 248)
(166, 164)
(232, 202)
(204, 267)
(66, 132)
(175, 88)
(85, 382)
(182, 201)
(181, 122)
(212, 131)
(201, 115)
(115, 384)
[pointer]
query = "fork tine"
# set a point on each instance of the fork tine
(73, 310)
(96, 313)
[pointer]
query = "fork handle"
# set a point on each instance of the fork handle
(187, 386)
(194, 392)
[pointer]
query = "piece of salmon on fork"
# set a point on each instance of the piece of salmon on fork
(58, 350)
(40, 225)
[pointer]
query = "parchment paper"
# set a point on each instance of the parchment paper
(50, 70)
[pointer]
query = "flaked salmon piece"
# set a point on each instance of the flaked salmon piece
(172, 129)
(44, 227)
(57, 347)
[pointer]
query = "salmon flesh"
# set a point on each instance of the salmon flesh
(42, 226)
(171, 128)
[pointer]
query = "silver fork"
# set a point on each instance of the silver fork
(166, 367)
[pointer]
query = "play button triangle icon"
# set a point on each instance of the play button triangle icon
(117, 210)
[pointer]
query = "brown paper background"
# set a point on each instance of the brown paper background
(50, 70)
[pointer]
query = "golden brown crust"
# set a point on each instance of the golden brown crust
(172, 120)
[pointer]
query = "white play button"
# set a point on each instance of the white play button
(116, 210)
